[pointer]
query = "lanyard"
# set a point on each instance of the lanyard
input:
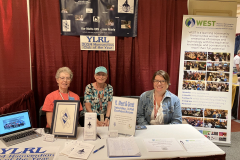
(100, 97)
(62, 96)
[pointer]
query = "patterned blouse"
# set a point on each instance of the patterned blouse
(91, 96)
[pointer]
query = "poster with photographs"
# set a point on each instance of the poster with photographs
(205, 75)
(99, 18)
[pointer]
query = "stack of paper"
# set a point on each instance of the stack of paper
(199, 145)
(162, 144)
(122, 147)
(77, 149)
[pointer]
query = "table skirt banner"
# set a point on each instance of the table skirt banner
(29, 153)
(205, 75)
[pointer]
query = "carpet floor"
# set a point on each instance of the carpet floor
(233, 151)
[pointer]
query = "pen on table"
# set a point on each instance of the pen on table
(99, 149)
(183, 145)
(99, 136)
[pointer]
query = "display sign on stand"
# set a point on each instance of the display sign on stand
(90, 126)
(205, 74)
(123, 115)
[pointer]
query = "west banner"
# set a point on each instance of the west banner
(99, 17)
(205, 74)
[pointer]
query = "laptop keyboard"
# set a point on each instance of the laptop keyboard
(18, 136)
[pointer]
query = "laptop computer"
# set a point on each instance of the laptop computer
(16, 128)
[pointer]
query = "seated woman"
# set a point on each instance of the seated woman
(63, 77)
(159, 106)
(98, 98)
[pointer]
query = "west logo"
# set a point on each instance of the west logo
(205, 23)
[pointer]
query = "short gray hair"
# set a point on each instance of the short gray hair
(238, 52)
(64, 69)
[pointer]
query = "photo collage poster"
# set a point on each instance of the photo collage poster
(205, 75)
(99, 17)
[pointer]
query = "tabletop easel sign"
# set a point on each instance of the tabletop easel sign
(90, 126)
(65, 118)
(123, 115)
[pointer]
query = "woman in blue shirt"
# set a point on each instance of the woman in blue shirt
(159, 106)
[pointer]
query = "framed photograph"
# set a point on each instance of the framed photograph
(65, 118)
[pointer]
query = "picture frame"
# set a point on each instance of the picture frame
(65, 118)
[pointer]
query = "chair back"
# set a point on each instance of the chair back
(42, 118)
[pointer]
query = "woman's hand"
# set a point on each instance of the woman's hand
(100, 124)
(106, 122)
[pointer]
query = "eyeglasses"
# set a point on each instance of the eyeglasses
(101, 74)
(161, 82)
(63, 78)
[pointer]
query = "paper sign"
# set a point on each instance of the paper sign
(90, 126)
(123, 115)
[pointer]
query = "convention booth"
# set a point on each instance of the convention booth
(200, 71)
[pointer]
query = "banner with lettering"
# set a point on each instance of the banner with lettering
(100, 43)
(205, 74)
(99, 17)
(123, 115)
(29, 153)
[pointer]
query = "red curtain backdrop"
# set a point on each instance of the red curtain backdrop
(23, 102)
(14, 50)
(130, 67)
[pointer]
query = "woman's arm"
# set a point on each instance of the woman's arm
(177, 115)
(88, 107)
(109, 104)
(109, 107)
(141, 111)
(49, 118)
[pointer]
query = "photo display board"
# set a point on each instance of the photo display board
(205, 74)
(99, 17)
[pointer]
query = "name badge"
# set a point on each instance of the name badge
(71, 98)
(113, 133)
(49, 138)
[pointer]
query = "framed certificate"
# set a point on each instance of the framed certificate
(65, 118)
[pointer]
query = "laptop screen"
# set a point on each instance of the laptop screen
(14, 122)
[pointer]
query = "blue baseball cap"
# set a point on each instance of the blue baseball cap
(100, 69)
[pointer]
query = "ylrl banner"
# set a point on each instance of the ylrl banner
(99, 17)
(100, 43)
(205, 74)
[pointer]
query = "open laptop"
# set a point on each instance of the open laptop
(16, 128)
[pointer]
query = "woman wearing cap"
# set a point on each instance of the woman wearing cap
(63, 77)
(159, 106)
(98, 97)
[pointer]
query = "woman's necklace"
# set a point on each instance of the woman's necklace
(62, 96)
